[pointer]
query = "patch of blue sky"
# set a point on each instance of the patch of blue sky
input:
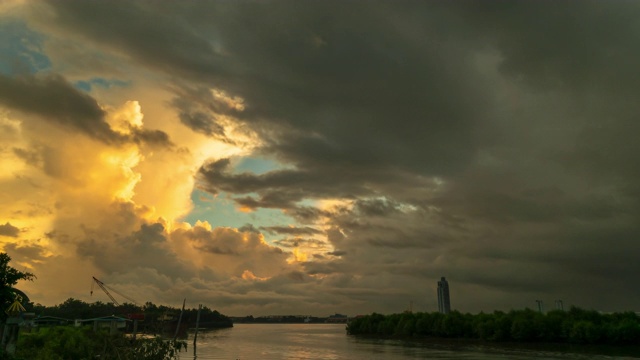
(257, 165)
(86, 85)
(21, 49)
(221, 210)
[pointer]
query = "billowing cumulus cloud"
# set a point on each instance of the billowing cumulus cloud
(492, 143)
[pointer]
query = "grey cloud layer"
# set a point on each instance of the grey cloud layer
(491, 142)
(52, 97)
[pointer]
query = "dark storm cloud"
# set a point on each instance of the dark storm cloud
(9, 230)
(152, 137)
(277, 189)
(297, 242)
(581, 47)
(197, 119)
(337, 253)
(306, 214)
(522, 201)
(200, 108)
(335, 81)
(492, 141)
(376, 207)
(291, 230)
(249, 228)
(54, 99)
(155, 36)
(322, 77)
(201, 122)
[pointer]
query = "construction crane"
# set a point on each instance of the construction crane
(104, 288)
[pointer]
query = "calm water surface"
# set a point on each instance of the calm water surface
(329, 341)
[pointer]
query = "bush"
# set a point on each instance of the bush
(68, 343)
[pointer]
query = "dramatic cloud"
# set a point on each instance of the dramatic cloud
(279, 157)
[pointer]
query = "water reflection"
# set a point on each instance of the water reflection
(329, 341)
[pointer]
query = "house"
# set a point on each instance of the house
(50, 321)
(113, 323)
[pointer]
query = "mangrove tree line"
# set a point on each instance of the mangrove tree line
(574, 326)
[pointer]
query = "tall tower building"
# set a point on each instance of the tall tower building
(444, 303)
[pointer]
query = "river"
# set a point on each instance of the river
(330, 342)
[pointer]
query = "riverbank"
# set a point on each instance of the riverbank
(576, 326)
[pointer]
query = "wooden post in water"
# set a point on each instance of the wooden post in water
(195, 337)
(175, 336)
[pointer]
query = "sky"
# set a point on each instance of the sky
(321, 157)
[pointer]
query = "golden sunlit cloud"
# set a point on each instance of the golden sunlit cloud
(126, 117)
(125, 161)
(248, 275)
(245, 209)
(10, 136)
(297, 256)
(332, 204)
(235, 102)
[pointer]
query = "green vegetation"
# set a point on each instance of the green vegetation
(78, 309)
(68, 342)
(9, 277)
(573, 326)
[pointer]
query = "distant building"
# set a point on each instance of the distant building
(444, 303)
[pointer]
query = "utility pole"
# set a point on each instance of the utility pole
(559, 305)
(175, 336)
(195, 336)
(540, 306)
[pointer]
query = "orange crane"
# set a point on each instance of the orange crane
(104, 288)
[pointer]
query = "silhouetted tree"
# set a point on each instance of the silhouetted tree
(9, 277)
